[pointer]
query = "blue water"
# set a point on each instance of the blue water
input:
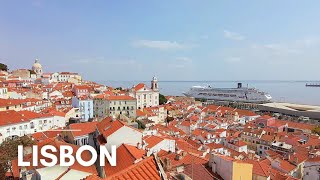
(281, 91)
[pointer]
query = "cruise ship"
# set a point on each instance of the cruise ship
(239, 94)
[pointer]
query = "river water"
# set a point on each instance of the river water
(281, 91)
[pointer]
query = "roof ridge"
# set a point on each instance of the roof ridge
(125, 146)
(131, 167)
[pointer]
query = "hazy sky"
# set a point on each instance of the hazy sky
(175, 40)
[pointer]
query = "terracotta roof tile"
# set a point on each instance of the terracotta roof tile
(82, 129)
(126, 156)
(198, 172)
(139, 86)
(153, 140)
(146, 169)
(122, 97)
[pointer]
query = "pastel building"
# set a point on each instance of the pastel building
(85, 106)
(20, 123)
(114, 106)
(229, 168)
(3, 92)
(146, 97)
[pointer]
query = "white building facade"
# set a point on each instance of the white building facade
(146, 97)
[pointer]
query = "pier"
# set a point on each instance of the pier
(313, 85)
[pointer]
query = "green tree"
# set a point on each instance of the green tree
(141, 125)
(162, 99)
(9, 151)
(3, 67)
(316, 130)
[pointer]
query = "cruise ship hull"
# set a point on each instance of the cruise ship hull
(240, 94)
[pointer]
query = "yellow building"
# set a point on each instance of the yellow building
(229, 168)
(241, 170)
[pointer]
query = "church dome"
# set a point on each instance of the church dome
(155, 78)
(36, 65)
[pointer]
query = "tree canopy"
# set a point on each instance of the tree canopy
(162, 99)
(141, 125)
(3, 67)
(316, 130)
(9, 152)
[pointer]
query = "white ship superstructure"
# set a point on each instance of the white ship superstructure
(240, 94)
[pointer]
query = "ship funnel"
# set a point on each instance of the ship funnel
(239, 85)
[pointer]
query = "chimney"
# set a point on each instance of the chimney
(178, 157)
(167, 164)
(184, 153)
(139, 146)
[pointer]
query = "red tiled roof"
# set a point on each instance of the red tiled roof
(153, 140)
(285, 165)
(126, 156)
(40, 136)
(122, 97)
(146, 169)
(10, 102)
(11, 117)
(187, 159)
(139, 86)
(197, 172)
(259, 168)
(82, 129)
(299, 125)
(140, 113)
(108, 127)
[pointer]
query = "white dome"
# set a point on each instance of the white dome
(155, 78)
(36, 65)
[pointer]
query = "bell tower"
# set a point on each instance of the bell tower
(154, 84)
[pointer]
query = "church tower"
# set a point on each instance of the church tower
(37, 68)
(154, 84)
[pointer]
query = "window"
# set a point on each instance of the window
(144, 96)
(31, 125)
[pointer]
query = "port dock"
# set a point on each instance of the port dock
(312, 84)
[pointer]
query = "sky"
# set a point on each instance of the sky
(172, 39)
